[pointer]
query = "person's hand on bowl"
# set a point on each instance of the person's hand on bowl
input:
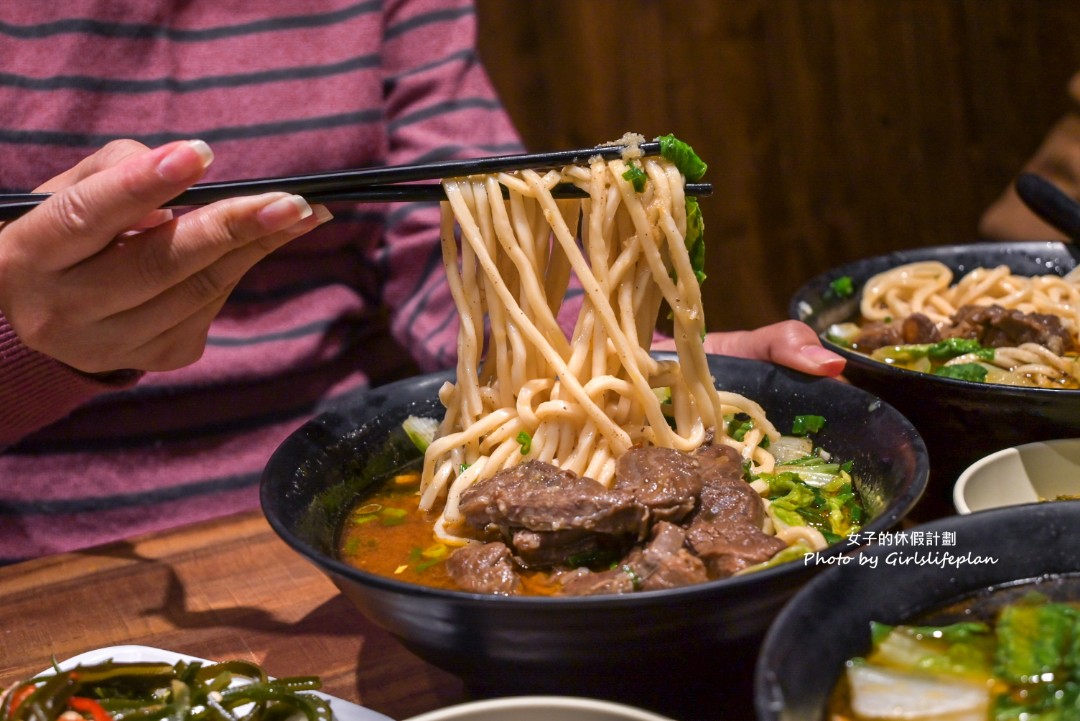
(788, 343)
(99, 278)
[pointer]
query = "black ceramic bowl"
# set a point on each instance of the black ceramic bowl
(544, 644)
(961, 421)
(828, 621)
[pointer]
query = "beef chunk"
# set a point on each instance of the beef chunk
(727, 547)
(724, 494)
(726, 529)
(918, 328)
(664, 481)
(484, 568)
(573, 547)
(664, 563)
(876, 335)
(996, 327)
(538, 496)
(583, 582)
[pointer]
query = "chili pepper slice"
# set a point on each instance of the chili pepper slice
(86, 705)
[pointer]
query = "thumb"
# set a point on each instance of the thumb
(78, 221)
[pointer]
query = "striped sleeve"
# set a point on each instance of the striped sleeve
(440, 105)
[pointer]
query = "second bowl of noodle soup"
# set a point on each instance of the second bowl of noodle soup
(961, 417)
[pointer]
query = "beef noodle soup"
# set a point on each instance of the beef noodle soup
(990, 326)
(569, 459)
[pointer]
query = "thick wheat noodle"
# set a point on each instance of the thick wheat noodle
(580, 401)
(926, 287)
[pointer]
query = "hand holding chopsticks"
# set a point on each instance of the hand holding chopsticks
(80, 289)
(395, 183)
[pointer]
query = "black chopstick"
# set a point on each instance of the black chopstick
(14, 205)
(431, 192)
(344, 181)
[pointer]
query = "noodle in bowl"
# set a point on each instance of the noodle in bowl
(960, 420)
(526, 389)
(586, 400)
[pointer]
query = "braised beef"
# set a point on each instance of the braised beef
(664, 481)
(918, 328)
(991, 325)
(875, 334)
(573, 546)
(585, 582)
(726, 530)
(540, 516)
(484, 568)
(724, 493)
(538, 496)
(997, 327)
(728, 547)
(664, 563)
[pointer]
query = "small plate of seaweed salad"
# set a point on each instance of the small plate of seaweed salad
(142, 682)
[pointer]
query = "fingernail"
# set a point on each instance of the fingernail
(284, 212)
(322, 213)
(186, 161)
(819, 355)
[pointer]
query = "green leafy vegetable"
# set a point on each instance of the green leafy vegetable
(805, 425)
(141, 691)
(1029, 661)
(832, 508)
(1034, 640)
(683, 156)
(636, 176)
(738, 424)
(695, 238)
(525, 441)
(842, 287)
(953, 347)
(964, 371)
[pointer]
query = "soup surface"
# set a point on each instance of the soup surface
(1007, 654)
(671, 519)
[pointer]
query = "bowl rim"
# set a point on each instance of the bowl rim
(959, 497)
(909, 255)
(540, 702)
(906, 499)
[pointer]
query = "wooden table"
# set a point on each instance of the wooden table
(224, 589)
(231, 588)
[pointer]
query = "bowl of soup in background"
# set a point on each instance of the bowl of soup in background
(638, 643)
(1028, 473)
(961, 421)
(958, 557)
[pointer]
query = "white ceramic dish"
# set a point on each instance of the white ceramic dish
(540, 708)
(1024, 474)
(343, 710)
(517, 708)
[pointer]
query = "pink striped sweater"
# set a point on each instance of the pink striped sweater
(276, 87)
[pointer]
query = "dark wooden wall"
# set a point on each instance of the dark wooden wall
(833, 129)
